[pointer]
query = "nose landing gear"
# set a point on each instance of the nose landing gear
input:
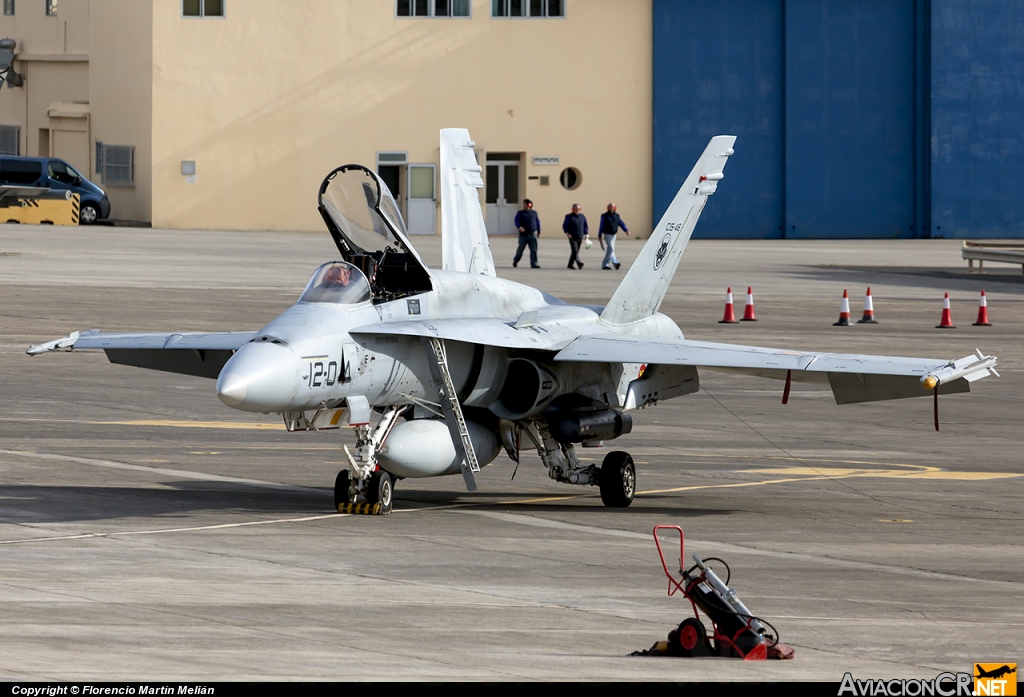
(363, 478)
(377, 491)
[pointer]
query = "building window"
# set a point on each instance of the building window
(9, 8)
(570, 178)
(202, 8)
(10, 140)
(432, 8)
(527, 8)
(119, 165)
(51, 8)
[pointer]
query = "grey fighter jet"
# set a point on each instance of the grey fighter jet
(436, 370)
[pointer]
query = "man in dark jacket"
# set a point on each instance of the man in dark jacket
(528, 224)
(575, 228)
(606, 231)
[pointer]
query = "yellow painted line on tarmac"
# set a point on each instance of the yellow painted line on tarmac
(921, 473)
(548, 499)
(243, 425)
(231, 425)
(734, 485)
(794, 458)
(695, 487)
(809, 474)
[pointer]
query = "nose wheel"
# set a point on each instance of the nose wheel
(378, 490)
(344, 492)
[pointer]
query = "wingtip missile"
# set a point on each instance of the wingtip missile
(970, 368)
(65, 342)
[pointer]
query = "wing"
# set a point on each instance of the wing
(852, 377)
(464, 245)
(197, 354)
(485, 331)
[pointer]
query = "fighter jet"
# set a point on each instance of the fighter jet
(437, 370)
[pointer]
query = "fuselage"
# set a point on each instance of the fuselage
(307, 357)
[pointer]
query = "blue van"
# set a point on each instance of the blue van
(54, 173)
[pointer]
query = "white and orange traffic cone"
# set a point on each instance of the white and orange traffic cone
(982, 313)
(844, 311)
(748, 310)
(730, 316)
(947, 316)
(869, 310)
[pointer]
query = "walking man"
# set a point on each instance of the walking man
(575, 228)
(606, 231)
(528, 224)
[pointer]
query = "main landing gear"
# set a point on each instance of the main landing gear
(616, 477)
(363, 479)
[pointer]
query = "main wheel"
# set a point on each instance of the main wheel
(618, 479)
(380, 490)
(88, 214)
(689, 639)
(342, 489)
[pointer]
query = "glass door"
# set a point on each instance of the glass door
(502, 192)
(421, 203)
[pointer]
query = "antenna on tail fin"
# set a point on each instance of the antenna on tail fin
(642, 290)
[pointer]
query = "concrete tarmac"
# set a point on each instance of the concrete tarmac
(149, 532)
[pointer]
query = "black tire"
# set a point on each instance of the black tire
(342, 489)
(380, 489)
(88, 214)
(617, 480)
(690, 638)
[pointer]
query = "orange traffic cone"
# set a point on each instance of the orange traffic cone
(844, 311)
(730, 316)
(947, 315)
(748, 311)
(982, 313)
(869, 310)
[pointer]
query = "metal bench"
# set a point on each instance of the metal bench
(1001, 252)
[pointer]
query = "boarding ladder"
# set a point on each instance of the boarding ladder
(453, 413)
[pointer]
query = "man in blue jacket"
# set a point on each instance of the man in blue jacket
(606, 231)
(575, 228)
(528, 224)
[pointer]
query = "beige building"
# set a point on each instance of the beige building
(229, 113)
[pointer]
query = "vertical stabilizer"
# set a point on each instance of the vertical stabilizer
(642, 290)
(464, 245)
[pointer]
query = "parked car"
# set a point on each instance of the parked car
(57, 174)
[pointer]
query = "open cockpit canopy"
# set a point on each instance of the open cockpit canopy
(367, 227)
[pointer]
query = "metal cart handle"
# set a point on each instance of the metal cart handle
(673, 584)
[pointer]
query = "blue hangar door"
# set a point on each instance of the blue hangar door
(824, 98)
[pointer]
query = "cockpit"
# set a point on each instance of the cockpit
(339, 283)
(368, 230)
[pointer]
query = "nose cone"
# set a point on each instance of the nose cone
(259, 377)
